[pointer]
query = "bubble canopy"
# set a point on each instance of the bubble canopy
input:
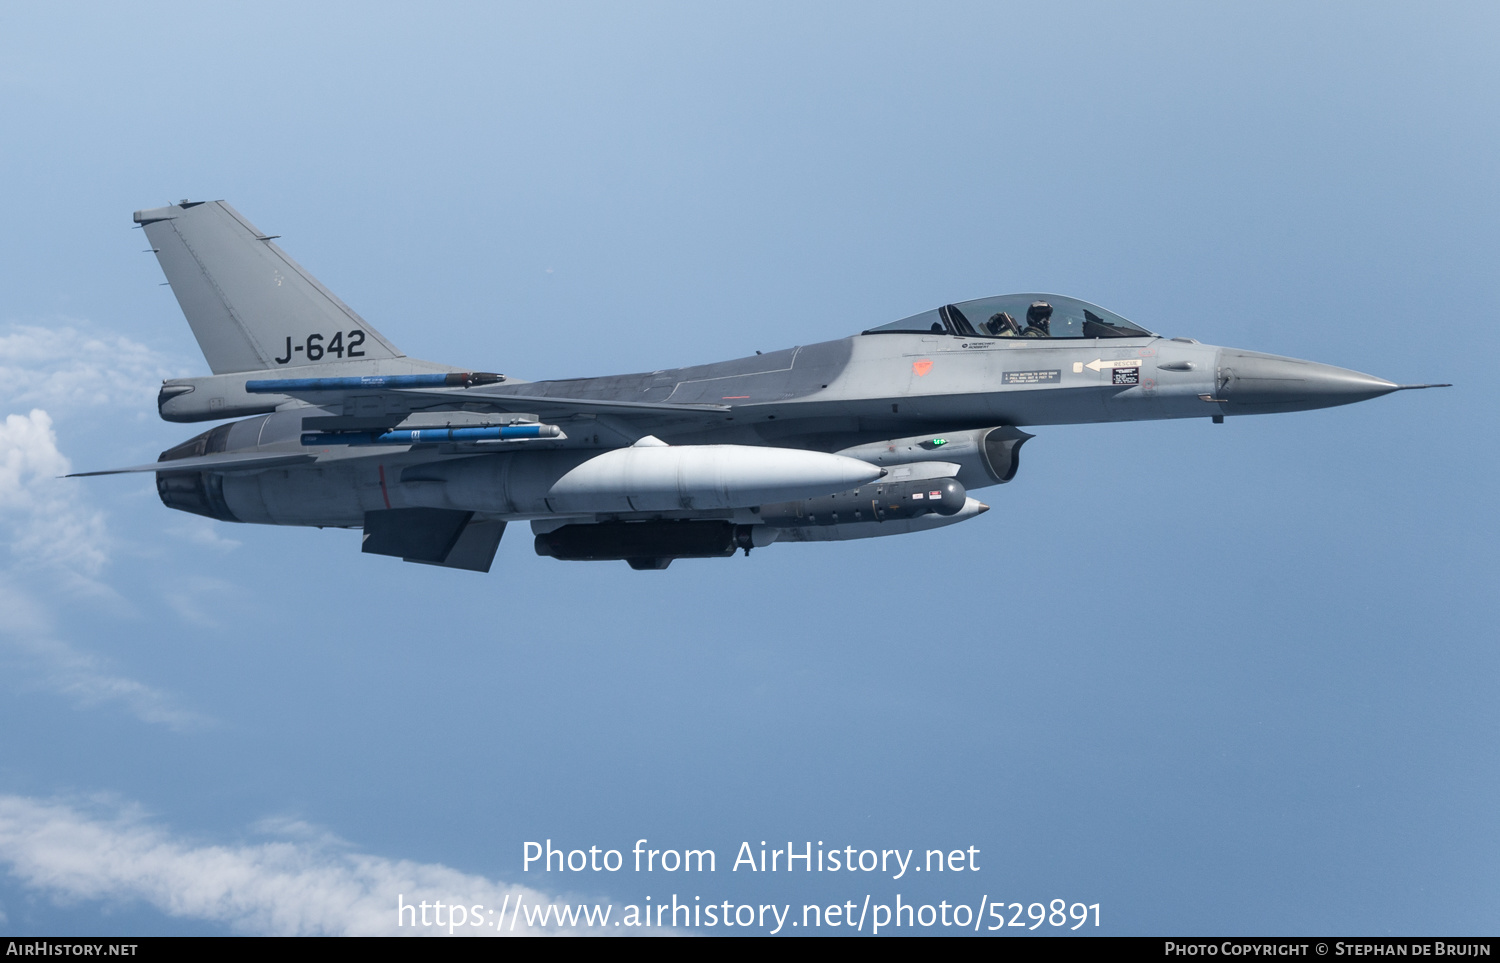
(1018, 316)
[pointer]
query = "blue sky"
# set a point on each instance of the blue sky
(1218, 679)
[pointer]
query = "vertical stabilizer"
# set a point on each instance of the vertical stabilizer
(250, 306)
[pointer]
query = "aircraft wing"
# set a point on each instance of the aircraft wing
(226, 461)
(392, 394)
(557, 407)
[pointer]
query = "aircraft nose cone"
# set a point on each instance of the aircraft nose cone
(1253, 382)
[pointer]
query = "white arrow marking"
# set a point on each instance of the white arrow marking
(1098, 364)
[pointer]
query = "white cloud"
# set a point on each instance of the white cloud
(308, 884)
(202, 531)
(66, 368)
(61, 371)
(48, 525)
(57, 541)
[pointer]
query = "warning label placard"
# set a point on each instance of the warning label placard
(1031, 377)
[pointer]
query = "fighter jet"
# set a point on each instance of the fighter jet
(883, 433)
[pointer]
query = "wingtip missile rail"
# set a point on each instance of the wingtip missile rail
(454, 379)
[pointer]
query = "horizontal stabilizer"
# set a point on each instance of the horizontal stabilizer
(433, 536)
(475, 549)
(223, 461)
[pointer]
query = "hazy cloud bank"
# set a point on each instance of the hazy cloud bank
(68, 367)
(50, 373)
(48, 523)
(57, 542)
(308, 884)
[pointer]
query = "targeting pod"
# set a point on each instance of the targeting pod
(646, 545)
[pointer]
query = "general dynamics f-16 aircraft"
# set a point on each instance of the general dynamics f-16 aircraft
(882, 433)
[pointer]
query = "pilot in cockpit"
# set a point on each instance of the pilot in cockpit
(1002, 325)
(1038, 320)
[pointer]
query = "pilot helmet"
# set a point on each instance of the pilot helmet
(1039, 314)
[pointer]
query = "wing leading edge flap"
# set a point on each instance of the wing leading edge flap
(433, 536)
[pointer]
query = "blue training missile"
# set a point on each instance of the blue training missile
(430, 436)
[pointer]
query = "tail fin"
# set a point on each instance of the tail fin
(250, 306)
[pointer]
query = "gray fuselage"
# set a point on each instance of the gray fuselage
(828, 397)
